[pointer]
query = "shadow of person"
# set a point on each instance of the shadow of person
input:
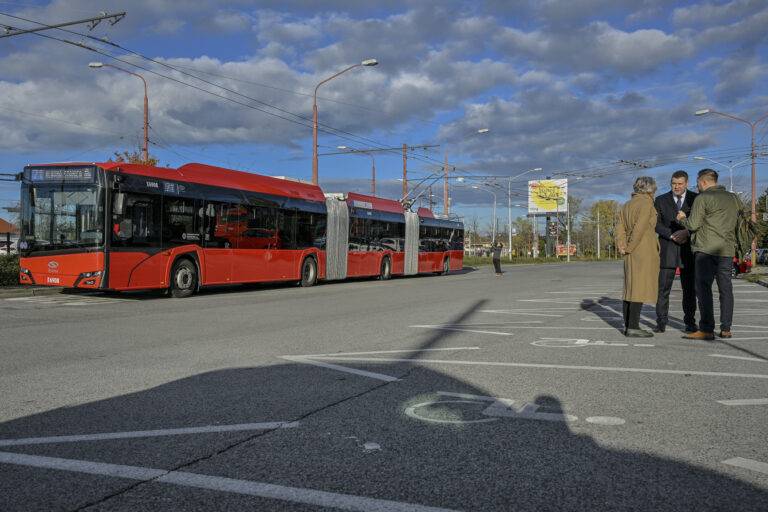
(609, 310)
(300, 436)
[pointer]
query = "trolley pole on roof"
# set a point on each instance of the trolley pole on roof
(14, 31)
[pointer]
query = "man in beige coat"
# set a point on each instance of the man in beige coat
(637, 241)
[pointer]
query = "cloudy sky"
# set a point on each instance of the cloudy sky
(576, 87)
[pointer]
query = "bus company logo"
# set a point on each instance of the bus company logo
(53, 266)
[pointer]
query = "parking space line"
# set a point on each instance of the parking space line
(745, 401)
(221, 484)
(148, 433)
(391, 351)
(355, 371)
(743, 358)
(445, 328)
(754, 465)
(554, 367)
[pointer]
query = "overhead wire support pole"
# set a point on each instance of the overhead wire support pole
(753, 155)
(17, 31)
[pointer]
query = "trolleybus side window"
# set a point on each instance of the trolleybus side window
(181, 222)
(138, 223)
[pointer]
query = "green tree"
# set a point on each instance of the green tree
(134, 157)
(605, 214)
(762, 225)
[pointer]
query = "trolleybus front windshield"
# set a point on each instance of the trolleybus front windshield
(61, 216)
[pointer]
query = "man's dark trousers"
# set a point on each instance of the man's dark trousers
(708, 269)
(688, 282)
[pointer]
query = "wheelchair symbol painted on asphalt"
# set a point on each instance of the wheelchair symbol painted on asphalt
(448, 411)
(581, 342)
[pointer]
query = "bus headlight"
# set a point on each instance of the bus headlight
(25, 271)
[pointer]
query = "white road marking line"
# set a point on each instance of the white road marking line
(765, 327)
(148, 433)
(391, 351)
(605, 420)
(754, 465)
(441, 328)
(231, 485)
(519, 313)
(557, 367)
(745, 339)
(745, 401)
(743, 358)
(554, 301)
(363, 373)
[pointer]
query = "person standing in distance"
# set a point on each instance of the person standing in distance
(496, 252)
(675, 251)
(712, 223)
(637, 241)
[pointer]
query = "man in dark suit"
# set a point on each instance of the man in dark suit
(675, 251)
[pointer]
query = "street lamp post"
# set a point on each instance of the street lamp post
(729, 167)
(373, 166)
(369, 62)
(509, 203)
(752, 154)
(445, 187)
(493, 226)
(144, 151)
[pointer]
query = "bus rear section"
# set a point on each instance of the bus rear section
(441, 243)
(370, 236)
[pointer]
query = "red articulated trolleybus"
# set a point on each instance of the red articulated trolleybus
(117, 226)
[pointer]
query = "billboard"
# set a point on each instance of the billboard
(548, 196)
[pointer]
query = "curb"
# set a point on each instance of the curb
(29, 291)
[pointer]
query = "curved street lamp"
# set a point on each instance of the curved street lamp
(753, 155)
(445, 187)
(369, 62)
(144, 151)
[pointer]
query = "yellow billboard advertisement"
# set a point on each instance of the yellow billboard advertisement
(548, 196)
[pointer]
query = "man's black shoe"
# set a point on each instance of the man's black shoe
(661, 327)
(691, 328)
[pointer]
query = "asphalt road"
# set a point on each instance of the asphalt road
(459, 392)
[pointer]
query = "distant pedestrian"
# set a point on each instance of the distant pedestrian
(636, 238)
(496, 251)
(676, 252)
(712, 223)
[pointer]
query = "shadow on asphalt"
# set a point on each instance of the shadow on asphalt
(442, 460)
(609, 310)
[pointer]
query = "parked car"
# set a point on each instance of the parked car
(4, 247)
(742, 267)
(762, 256)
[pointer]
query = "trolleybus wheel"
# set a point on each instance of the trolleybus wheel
(386, 269)
(183, 278)
(308, 272)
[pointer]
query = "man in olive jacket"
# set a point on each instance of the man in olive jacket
(712, 223)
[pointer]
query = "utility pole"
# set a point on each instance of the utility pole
(405, 170)
(14, 31)
(598, 232)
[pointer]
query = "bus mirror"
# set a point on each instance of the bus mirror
(211, 210)
(118, 204)
(33, 196)
(126, 229)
